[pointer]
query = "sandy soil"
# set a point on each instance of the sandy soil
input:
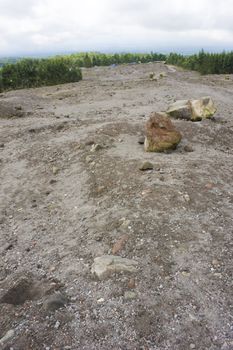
(63, 205)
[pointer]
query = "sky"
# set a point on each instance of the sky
(35, 27)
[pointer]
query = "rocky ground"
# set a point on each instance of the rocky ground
(66, 201)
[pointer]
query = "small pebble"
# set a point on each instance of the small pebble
(188, 148)
(96, 147)
(52, 181)
(130, 295)
(100, 301)
(57, 325)
(146, 166)
(141, 140)
(55, 170)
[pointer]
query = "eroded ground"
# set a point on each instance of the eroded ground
(63, 205)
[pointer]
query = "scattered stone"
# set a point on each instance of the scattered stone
(146, 166)
(141, 140)
(100, 301)
(57, 325)
(125, 223)
(118, 246)
(216, 263)
(60, 127)
(55, 170)
(152, 76)
(55, 301)
(107, 265)
(131, 283)
(128, 295)
(100, 189)
(161, 134)
(210, 186)
(146, 192)
(194, 110)
(188, 148)
(89, 159)
(7, 337)
(185, 273)
(9, 246)
(52, 181)
(99, 236)
(192, 346)
(162, 75)
(186, 197)
(96, 147)
(89, 142)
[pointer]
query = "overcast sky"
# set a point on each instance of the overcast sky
(56, 26)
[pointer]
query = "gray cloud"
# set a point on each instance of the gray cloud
(38, 26)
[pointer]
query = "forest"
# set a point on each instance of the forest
(29, 72)
(204, 63)
(26, 73)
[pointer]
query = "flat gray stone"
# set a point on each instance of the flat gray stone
(106, 265)
(7, 337)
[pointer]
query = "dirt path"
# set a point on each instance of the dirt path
(63, 205)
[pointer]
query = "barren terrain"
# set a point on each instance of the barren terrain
(62, 205)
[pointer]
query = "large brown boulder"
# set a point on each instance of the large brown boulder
(192, 109)
(161, 134)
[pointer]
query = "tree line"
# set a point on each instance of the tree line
(101, 59)
(203, 62)
(27, 73)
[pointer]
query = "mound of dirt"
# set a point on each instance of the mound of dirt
(8, 110)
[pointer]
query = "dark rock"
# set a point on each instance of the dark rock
(52, 181)
(141, 140)
(188, 148)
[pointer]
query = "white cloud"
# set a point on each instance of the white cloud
(36, 26)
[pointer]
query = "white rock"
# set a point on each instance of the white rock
(8, 336)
